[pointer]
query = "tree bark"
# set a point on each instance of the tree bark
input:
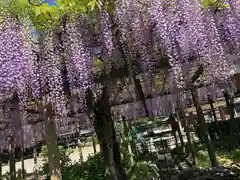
(203, 129)
(105, 131)
(11, 151)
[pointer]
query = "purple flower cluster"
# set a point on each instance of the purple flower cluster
(184, 30)
(78, 56)
(14, 58)
(106, 33)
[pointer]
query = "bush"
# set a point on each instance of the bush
(203, 160)
(236, 155)
(64, 158)
(92, 169)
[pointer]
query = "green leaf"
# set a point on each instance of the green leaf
(38, 10)
(213, 3)
(97, 62)
(92, 4)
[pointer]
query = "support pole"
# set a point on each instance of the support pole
(203, 129)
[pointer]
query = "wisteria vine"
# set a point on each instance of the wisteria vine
(184, 30)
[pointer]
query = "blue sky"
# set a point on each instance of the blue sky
(50, 2)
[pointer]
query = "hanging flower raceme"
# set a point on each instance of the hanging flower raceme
(163, 17)
(187, 30)
(230, 24)
(205, 41)
(31, 51)
(14, 58)
(51, 72)
(78, 56)
(235, 7)
(131, 18)
(213, 54)
(185, 20)
(106, 33)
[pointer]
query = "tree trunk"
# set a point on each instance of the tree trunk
(105, 131)
(52, 146)
(11, 152)
(104, 126)
(129, 61)
(203, 129)
(109, 145)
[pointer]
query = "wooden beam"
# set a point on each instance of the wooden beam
(195, 76)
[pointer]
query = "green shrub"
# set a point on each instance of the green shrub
(203, 160)
(64, 158)
(236, 155)
(92, 169)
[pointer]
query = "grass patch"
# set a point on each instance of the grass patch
(224, 156)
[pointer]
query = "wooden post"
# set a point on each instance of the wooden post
(35, 162)
(94, 143)
(186, 123)
(190, 143)
(236, 127)
(22, 162)
(229, 104)
(1, 163)
(222, 113)
(132, 143)
(233, 126)
(180, 135)
(210, 101)
(140, 94)
(51, 142)
(126, 130)
(203, 128)
(80, 150)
